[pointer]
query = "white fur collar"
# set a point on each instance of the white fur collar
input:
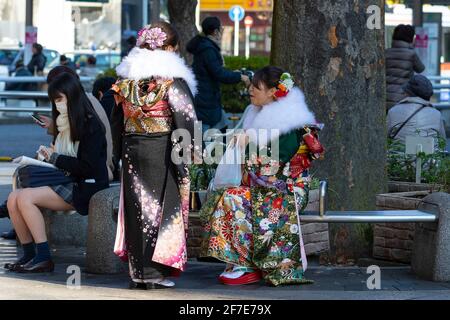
(143, 63)
(284, 115)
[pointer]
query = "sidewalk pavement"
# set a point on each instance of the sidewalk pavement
(199, 282)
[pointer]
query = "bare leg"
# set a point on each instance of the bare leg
(30, 200)
(20, 226)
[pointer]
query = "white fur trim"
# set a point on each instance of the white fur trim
(284, 115)
(143, 64)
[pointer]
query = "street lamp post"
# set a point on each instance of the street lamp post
(248, 22)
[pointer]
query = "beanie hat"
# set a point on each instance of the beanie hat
(419, 86)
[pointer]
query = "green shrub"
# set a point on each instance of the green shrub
(201, 175)
(107, 73)
(435, 167)
(232, 98)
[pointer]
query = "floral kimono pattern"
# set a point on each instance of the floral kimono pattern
(256, 225)
(154, 203)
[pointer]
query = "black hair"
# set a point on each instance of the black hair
(131, 41)
(268, 76)
(63, 58)
(91, 60)
(79, 107)
(404, 33)
(38, 47)
(102, 85)
(56, 71)
(210, 24)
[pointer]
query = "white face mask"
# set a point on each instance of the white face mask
(61, 107)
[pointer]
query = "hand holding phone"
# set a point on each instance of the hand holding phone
(38, 121)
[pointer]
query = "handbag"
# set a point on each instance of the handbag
(32, 176)
(229, 171)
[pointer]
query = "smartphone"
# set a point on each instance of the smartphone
(39, 121)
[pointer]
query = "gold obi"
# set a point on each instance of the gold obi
(144, 107)
(147, 125)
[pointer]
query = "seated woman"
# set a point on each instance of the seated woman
(80, 151)
(254, 227)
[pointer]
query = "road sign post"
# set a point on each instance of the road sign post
(236, 14)
(415, 145)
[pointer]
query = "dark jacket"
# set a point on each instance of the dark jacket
(209, 72)
(21, 86)
(37, 62)
(89, 164)
(108, 102)
(401, 63)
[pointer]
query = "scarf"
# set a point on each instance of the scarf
(63, 142)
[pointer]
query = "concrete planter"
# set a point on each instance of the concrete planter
(394, 241)
(402, 186)
(315, 235)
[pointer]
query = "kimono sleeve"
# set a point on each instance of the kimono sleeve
(117, 129)
(289, 144)
(181, 104)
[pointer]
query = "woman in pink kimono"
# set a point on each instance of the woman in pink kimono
(153, 99)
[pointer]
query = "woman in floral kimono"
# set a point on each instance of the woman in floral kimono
(254, 227)
(153, 98)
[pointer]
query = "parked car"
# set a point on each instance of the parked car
(9, 57)
(105, 59)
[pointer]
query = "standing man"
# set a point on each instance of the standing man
(209, 71)
(38, 60)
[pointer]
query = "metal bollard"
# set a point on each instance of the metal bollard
(322, 197)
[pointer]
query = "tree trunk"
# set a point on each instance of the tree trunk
(338, 60)
(182, 17)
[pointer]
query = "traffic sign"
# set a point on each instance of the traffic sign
(236, 13)
(248, 21)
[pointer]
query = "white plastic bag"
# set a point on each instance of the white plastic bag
(229, 171)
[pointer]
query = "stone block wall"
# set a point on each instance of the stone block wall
(394, 241)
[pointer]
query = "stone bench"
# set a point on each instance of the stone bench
(431, 247)
(101, 233)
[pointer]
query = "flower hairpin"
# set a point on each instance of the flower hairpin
(285, 84)
(153, 37)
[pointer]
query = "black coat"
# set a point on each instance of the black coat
(108, 102)
(37, 63)
(210, 73)
(90, 163)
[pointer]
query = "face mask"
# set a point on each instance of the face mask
(61, 107)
